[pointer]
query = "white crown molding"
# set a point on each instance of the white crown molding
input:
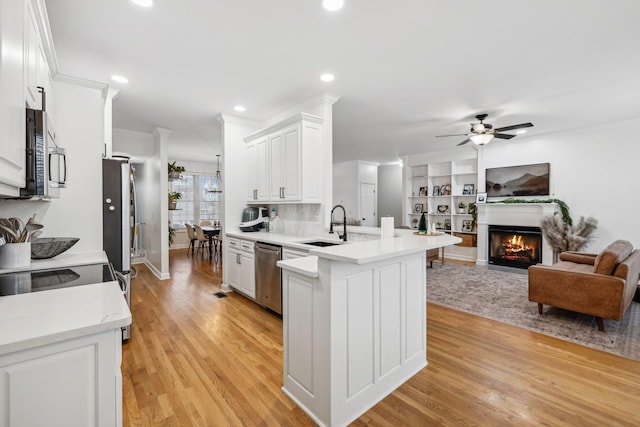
(289, 120)
(226, 118)
(42, 21)
(79, 81)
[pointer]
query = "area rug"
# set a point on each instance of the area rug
(503, 296)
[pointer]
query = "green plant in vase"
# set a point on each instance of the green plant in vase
(461, 207)
(174, 170)
(473, 211)
(174, 196)
(172, 233)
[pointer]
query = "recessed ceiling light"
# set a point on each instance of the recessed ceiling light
(120, 79)
(521, 131)
(327, 77)
(332, 5)
(240, 108)
(143, 3)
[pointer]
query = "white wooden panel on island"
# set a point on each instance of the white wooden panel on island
(352, 334)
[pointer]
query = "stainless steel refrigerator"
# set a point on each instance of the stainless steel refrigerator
(118, 219)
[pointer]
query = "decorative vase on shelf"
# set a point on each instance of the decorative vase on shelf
(14, 255)
(422, 226)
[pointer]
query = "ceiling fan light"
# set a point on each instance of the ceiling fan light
(481, 139)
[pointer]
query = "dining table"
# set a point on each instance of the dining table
(212, 231)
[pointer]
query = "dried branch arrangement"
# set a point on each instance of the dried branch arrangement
(564, 236)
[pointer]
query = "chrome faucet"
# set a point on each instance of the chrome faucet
(342, 236)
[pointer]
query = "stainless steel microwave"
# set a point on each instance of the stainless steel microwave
(46, 162)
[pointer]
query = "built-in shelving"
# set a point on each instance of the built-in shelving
(455, 182)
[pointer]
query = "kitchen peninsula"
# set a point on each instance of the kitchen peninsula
(354, 323)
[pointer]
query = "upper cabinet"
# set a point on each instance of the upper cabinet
(23, 69)
(12, 102)
(283, 165)
(37, 73)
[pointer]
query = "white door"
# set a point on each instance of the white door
(368, 205)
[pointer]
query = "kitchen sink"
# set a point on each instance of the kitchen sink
(320, 243)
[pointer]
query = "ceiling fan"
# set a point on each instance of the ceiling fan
(481, 133)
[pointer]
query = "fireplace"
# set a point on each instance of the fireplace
(514, 246)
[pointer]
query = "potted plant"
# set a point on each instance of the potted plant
(15, 241)
(473, 211)
(175, 170)
(174, 196)
(461, 207)
(172, 233)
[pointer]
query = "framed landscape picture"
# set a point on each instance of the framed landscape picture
(523, 180)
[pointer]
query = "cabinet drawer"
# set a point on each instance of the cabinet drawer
(246, 246)
(294, 253)
(233, 243)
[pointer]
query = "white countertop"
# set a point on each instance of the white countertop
(63, 260)
(356, 252)
(39, 318)
(307, 266)
(377, 250)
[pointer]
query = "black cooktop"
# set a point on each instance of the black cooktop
(43, 280)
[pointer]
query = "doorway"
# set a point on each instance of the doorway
(368, 205)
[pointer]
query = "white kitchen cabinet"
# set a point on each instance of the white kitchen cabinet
(36, 68)
(288, 162)
(68, 383)
(241, 266)
(257, 170)
(12, 114)
(285, 174)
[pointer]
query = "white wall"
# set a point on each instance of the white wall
(140, 146)
(345, 191)
(79, 115)
(348, 176)
(155, 207)
(234, 177)
(390, 193)
(594, 170)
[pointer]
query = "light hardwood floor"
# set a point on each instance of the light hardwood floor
(197, 360)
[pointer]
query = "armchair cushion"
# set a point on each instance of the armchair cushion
(578, 257)
(607, 260)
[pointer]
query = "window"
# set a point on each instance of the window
(198, 202)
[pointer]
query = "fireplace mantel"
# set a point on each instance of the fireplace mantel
(524, 214)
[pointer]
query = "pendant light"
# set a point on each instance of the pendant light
(217, 180)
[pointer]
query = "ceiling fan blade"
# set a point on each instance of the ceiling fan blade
(457, 134)
(463, 142)
(513, 127)
(503, 136)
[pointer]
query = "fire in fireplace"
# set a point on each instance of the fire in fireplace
(514, 246)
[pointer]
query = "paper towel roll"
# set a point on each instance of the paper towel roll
(387, 227)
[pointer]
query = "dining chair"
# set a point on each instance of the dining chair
(203, 240)
(192, 237)
(217, 244)
(205, 223)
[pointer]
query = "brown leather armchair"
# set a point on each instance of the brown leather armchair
(602, 285)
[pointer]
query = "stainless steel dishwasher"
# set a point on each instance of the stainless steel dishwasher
(268, 276)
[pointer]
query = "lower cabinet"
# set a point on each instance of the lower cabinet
(77, 382)
(241, 266)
